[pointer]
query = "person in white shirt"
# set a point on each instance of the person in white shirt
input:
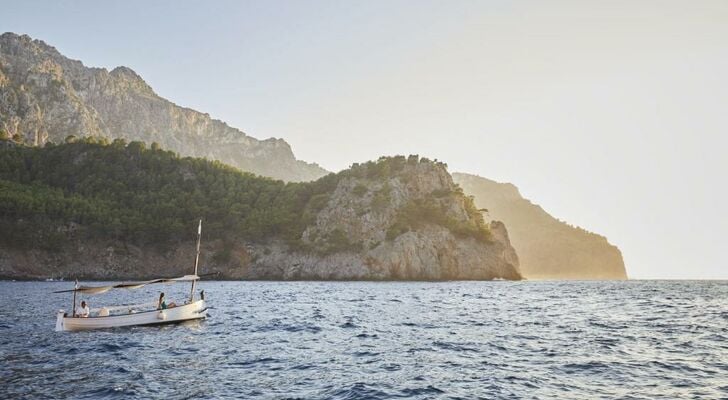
(85, 311)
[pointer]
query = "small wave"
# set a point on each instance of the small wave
(365, 354)
(607, 342)
(116, 391)
(359, 391)
(253, 362)
(608, 326)
(453, 346)
(391, 367)
(302, 367)
(110, 347)
(591, 366)
(419, 349)
(428, 390)
(289, 328)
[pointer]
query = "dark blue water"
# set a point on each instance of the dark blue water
(566, 340)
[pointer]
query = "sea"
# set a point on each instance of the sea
(380, 340)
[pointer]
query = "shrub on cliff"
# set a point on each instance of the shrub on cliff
(417, 213)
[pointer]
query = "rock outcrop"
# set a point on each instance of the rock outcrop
(547, 248)
(45, 96)
(406, 223)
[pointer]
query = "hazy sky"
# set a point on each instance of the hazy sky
(609, 114)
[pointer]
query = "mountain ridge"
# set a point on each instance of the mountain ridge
(47, 97)
(548, 248)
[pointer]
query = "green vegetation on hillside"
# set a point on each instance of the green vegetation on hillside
(92, 189)
(144, 196)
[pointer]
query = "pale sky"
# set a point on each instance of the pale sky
(609, 114)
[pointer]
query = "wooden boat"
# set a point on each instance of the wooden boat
(138, 314)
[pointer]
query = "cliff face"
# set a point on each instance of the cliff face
(547, 248)
(406, 225)
(45, 96)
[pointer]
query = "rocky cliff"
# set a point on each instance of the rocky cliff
(114, 211)
(547, 248)
(405, 220)
(45, 96)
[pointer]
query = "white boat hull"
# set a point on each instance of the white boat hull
(187, 312)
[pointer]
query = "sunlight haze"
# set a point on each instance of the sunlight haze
(609, 115)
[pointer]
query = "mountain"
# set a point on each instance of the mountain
(45, 97)
(547, 248)
(98, 210)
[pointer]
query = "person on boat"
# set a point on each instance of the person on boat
(162, 304)
(85, 310)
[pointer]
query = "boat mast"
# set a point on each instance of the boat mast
(75, 287)
(197, 260)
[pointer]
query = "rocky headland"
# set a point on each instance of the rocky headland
(547, 247)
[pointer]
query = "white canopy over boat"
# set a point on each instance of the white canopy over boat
(128, 285)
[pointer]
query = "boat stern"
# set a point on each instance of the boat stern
(202, 308)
